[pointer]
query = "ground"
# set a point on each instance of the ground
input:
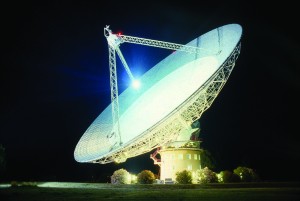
(57, 191)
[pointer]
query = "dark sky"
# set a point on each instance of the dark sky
(55, 82)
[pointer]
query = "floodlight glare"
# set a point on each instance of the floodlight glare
(136, 84)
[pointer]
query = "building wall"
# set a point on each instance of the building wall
(175, 160)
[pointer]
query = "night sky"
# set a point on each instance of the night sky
(55, 82)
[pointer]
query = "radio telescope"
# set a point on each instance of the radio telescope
(162, 113)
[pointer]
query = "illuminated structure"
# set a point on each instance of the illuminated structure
(171, 96)
(182, 154)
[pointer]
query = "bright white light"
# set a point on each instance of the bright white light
(136, 84)
(5, 185)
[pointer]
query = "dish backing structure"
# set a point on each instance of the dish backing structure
(162, 114)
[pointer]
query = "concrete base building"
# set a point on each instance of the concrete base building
(182, 154)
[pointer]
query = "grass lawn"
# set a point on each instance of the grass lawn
(55, 191)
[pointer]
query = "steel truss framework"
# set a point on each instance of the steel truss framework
(114, 41)
(114, 91)
(163, 44)
(168, 129)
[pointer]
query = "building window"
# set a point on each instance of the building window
(189, 156)
(199, 157)
(180, 156)
(195, 156)
(190, 167)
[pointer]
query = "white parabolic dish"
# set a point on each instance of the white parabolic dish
(173, 94)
